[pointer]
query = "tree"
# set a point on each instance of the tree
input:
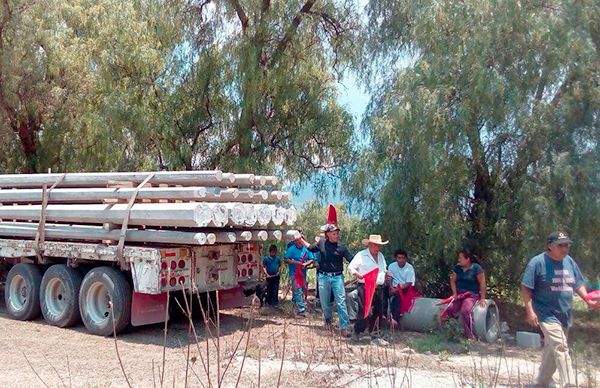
(77, 90)
(258, 88)
(487, 136)
(248, 87)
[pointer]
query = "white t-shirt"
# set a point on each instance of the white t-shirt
(402, 275)
(363, 262)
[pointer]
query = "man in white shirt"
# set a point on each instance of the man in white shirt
(364, 262)
(401, 277)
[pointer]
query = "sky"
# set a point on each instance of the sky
(355, 100)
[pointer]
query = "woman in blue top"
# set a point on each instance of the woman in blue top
(467, 282)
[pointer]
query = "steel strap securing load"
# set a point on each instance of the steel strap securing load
(121, 243)
(40, 235)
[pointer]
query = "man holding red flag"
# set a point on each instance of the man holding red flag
(297, 257)
(368, 266)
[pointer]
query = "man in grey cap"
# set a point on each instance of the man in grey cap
(549, 281)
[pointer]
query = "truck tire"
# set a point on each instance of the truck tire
(101, 286)
(59, 295)
(22, 292)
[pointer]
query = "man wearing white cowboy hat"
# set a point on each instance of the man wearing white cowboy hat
(364, 262)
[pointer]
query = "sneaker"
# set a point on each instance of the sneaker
(379, 341)
(301, 314)
(355, 337)
(345, 333)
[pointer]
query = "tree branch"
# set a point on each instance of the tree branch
(291, 31)
(240, 13)
(265, 6)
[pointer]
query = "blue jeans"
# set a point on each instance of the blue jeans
(298, 296)
(335, 284)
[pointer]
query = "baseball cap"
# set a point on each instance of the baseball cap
(558, 238)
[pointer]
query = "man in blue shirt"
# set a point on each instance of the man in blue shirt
(547, 290)
(297, 257)
(272, 268)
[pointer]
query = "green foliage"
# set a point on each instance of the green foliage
(483, 132)
(449, 339)
(187, 85)
(75, 84)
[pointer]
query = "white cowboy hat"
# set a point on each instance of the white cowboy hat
(374, 239)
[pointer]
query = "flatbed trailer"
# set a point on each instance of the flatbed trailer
(67, 282)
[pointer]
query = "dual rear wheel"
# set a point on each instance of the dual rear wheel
(101, 298)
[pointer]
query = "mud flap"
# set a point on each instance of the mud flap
(147, 309)
(231, 298)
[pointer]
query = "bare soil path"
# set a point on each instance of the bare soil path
(35, 354)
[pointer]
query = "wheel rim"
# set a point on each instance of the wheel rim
(55, 297)
(97, 303)
(19, 293)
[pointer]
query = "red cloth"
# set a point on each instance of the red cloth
(370, 279)
(449, 301)
(299, 273)
(407, 298)
(593, 295)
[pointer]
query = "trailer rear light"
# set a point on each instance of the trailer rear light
(250, 257)
(163, 265)
(173, 264)
(181, 263)
(243, 259)
(163, 282)
(173, 281)
(244, 272)
(181, 280)
(250, 272)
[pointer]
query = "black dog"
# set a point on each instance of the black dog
(260, 289)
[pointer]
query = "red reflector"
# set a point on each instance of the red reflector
(250, 257)
(163, 282)
(173, 264)
(250, 272)
(181, 280)
(173, 282)
(181, 263)
(244, 273)
(170, 254)
(243, 258)
(163, 265)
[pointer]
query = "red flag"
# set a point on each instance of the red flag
(370, 279)
(407, 298)
(331, 215)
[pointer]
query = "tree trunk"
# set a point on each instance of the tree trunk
(26, 132)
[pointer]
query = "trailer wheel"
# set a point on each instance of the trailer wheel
(22, 292)
(59, 295)
(101, 287)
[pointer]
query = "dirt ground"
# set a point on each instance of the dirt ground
(256, 347)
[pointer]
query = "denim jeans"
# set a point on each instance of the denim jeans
(298, 296)
(335, 284)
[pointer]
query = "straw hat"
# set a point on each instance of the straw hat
(374, 239)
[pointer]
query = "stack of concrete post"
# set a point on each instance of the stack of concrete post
(169, 207)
